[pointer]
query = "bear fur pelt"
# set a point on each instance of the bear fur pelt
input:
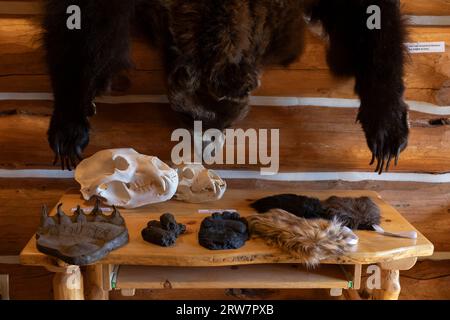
(309, 240)
(215, 51)
(301, 206)
(355, 213)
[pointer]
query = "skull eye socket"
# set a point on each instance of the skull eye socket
(188, 174)
(121, 164)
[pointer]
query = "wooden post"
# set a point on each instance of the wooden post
(68, 284)
(4, 287)
(390, 285)
(96, 289)
(390, 278)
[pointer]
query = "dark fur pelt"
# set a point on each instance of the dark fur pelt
(376, 59)
(215, 52)
(308, 240)
(82, 64)
(218, 50)
(301, 206)
(354, 213)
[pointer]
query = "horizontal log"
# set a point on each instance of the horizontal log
(21, 7)
(426, 8)
(311, 138)
(28, 283)
(428, 280)
(427, 76)
(412, 7)
(20, 203)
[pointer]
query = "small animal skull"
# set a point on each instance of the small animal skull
(198, 184)
(125, 178)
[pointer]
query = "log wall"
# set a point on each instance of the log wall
(316, 137)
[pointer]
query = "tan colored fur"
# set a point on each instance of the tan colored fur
(309, 240)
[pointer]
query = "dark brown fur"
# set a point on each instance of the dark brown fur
(355, 213)
(218, 50)
(215, 52)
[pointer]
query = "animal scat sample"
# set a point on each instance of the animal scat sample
(223, 231)
(159, 236)
(164, 232)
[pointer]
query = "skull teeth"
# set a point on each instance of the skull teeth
(140, 186)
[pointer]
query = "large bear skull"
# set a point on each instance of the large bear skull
(125, 178)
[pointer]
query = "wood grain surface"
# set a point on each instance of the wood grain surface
(22, 68)
(311, 138)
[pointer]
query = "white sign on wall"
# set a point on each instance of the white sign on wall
(426, 47)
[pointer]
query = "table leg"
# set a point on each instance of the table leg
(68, 284)
(390, 285)
(96, 289)
(390, 278)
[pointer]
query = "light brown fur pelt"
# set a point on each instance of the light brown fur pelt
(309, 240)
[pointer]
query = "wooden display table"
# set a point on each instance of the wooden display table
(141, 265)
